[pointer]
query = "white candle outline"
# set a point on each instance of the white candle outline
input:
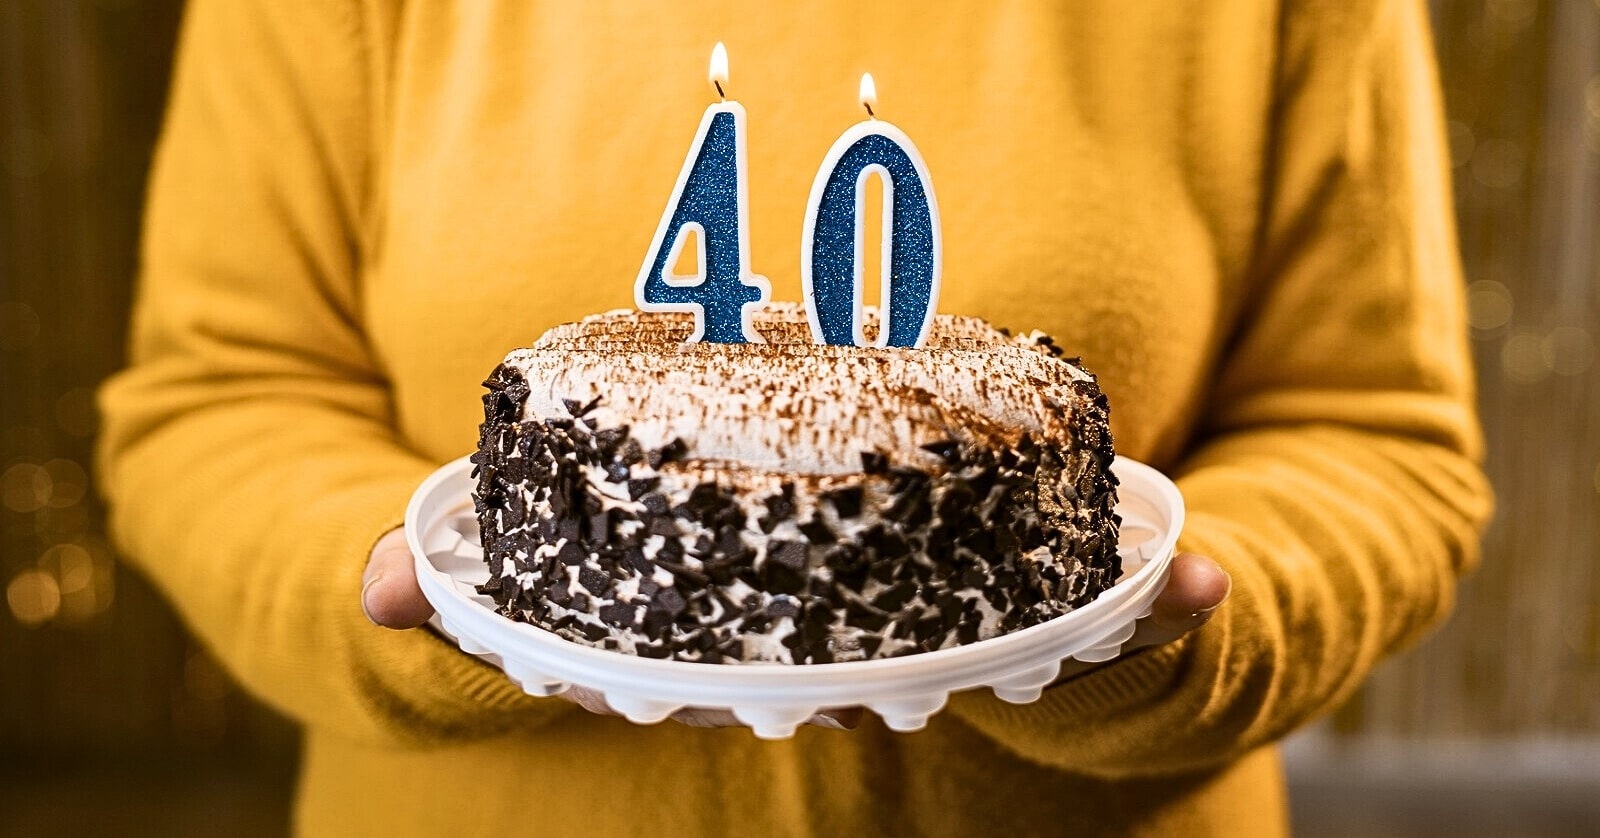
(868, 97)
(717, 74)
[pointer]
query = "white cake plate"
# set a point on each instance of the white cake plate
(772, 699)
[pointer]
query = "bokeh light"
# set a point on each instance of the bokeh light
(51, 492)
(96, 598)
(71, 565)
(1522, 358)
(1528, 357)
(68, 482)
(1512, 16)
(25, 487)
(34, 597)
(84, 604)
(73, 582)
(1568, 350)
(1489, 305)
(84, 580)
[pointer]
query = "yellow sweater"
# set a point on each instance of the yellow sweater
(1236, 213)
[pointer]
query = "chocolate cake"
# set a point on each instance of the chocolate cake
(787, 501)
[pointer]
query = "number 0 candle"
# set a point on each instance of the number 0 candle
(712, 200)
(830, 249)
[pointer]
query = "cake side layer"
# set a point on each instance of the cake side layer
(946, 507)
(592, 536)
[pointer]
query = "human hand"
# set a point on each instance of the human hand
(1196, 587)
(391, 598)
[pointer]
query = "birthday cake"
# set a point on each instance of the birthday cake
(789, 501)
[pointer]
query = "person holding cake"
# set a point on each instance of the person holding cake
(1236, 214)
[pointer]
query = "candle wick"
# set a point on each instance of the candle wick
(869, 110)
(718, 85)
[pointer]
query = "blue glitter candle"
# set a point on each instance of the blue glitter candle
(712, 199)
(830, 249)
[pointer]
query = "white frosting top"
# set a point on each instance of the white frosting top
(793, 406)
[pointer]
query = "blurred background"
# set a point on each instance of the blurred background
(113, 721)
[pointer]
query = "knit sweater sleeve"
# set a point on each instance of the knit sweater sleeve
(250, 457)
(1336, 477)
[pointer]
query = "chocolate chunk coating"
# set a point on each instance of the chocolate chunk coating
(644, 549)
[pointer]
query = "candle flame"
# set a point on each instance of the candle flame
(719, 68)
(869, 95)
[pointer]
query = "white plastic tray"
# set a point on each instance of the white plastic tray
(774, 698)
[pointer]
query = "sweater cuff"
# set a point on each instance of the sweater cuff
(418, 684)
(1085, 699)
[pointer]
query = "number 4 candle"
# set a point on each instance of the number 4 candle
(712, 199)
(830, 249)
